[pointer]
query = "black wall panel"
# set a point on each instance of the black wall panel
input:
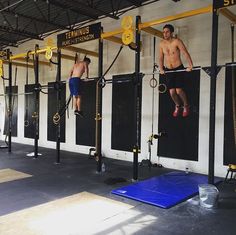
(181, 139)
(52, 110)
(230, 117)
(85, 127)
(123, 113)
(29, 128)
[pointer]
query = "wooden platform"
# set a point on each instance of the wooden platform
(7, 175)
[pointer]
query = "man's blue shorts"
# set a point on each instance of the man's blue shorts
(75, 86)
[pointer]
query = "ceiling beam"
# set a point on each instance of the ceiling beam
(83, 9)
(119, 41)
(95, 11)
(19, 32)
(63, 56)
(72, 8)
(19, 64)
(228, 14)
(8, 42)
(137, 3)
(16, 14)
(80, 50)
(153, 31)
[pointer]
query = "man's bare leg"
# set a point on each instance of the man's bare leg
(184, 99)
(180, 92)
(176, 100)
(75, 102)
(175, 97)
(78, 103)
(78, 106)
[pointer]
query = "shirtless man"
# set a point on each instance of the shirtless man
(170, 51)
(79, 68)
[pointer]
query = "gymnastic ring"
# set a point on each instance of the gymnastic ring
(34, 115)
(103, 82)
(9, 112)
(26, 123)
(56, 118)
(153, 82)
(162, 88)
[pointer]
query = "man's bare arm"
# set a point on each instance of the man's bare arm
(184, 51)
(161, 59)
(86, 70)
(71, 72)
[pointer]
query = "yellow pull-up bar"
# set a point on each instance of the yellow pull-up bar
(24, 55)
(148, 24)
(142, 26)
(186, 14)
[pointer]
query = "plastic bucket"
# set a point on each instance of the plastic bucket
(208, 195)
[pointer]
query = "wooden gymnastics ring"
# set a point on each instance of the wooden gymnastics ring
(26, 123)
(56, 118)
(153, 82)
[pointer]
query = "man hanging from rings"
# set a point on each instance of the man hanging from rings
(75, 82)
(170, 50)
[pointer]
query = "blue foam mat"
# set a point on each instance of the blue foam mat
(166, 190)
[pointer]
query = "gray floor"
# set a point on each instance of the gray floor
(75, 174)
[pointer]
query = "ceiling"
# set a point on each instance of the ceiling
(22, 20)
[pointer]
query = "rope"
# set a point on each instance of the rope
(13, 101)
(102, 80)
(57, 116)
(9, 107)
(117, 55)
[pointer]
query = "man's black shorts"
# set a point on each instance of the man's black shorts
(175, 79)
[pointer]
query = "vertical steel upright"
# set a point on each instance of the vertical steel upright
(10, 108)
(233, 83)
(137, 100)
(58, 80)
(215, 23)
(232, 42)
(37, 91)
(98, 135)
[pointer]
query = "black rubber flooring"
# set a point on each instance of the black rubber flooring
(77, 173)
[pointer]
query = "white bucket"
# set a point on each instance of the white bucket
(208, 195)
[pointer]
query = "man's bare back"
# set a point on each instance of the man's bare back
(77, 71)
(79, 68)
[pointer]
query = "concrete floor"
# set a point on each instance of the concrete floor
(53, 187)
